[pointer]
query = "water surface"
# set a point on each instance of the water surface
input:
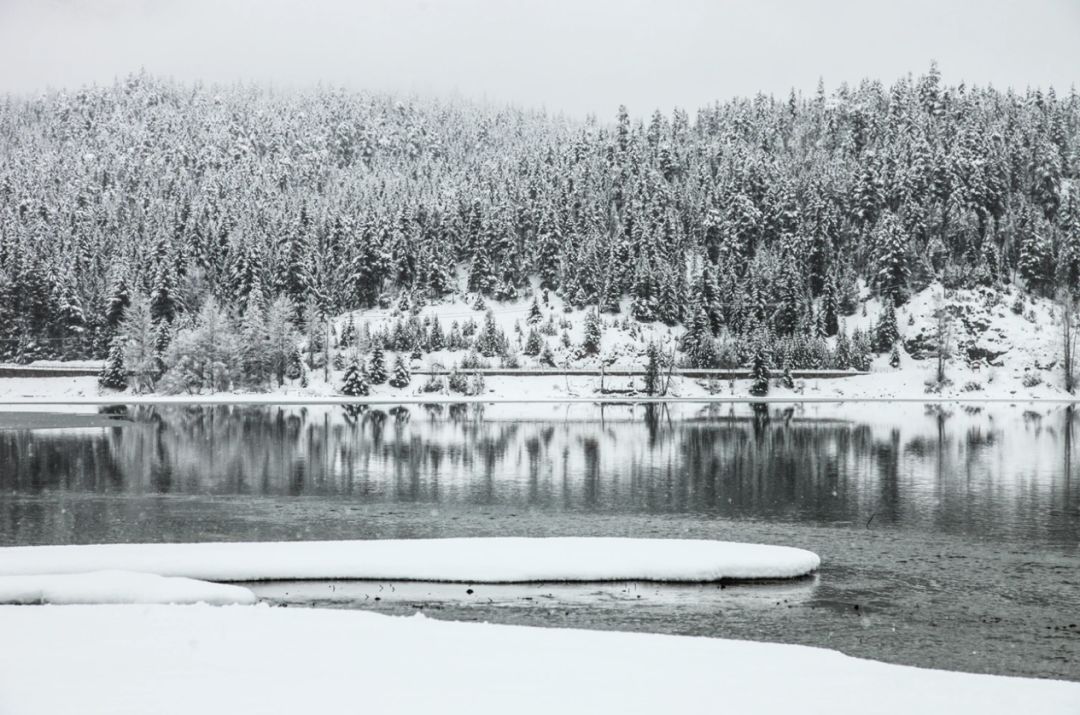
(949, 536)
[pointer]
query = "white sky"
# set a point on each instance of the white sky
(574, 57)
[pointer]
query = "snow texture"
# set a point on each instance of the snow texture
(121, 660)
(481, 560)
(112, 587)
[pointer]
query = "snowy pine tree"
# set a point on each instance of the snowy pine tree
(591, 342)
(377, 366)
(113, 376)
(886, 332)
(355, 383)
(535, 315)
(401, 375)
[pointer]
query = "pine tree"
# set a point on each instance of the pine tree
(547, 357)
(652, 369)
(893, 270)
(786, 379)
(759, 369)
(119, 301)
(886, 332)
(591, 342)
(490, 341)
(830, 319)
(255, 359)
(355, 383)
(113, 376)
(860, 351)
(377, 366)
(548, 244)
(697, 341)
(401, 376)
(348, 334)
(436, 340)
(281, 340)
(535, 316)
(534, 344)
(294, 366)
(481, 277)
(842, 354)
(163, 305)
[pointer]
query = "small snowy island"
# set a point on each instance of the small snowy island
(478, 560)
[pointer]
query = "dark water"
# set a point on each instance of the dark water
(949, 537)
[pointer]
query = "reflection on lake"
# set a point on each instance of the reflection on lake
(1005, 474)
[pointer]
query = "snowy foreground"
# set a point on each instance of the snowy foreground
(117, 587)
(481, 560)
(200, 659)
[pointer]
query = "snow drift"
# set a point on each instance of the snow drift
(124, 660)
(113, 587)
(480, 560)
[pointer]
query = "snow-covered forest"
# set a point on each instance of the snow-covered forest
(228, 222)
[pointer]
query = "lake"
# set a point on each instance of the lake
(949, 533)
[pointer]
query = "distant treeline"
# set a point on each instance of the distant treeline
(757, 216)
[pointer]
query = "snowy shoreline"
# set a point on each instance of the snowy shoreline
(185, 659)
(899, 386)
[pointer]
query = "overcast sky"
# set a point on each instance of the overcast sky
(573, 57)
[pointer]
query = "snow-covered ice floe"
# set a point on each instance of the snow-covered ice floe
(196, 659)
(478, 560)
(112, 587)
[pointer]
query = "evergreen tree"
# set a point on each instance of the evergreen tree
(547, 357)
(842, 354)
(652, 369)
(697, 341)
(860, 351)
(534, 344)
(355, 383)
(119, 300)
(830, 319)
(490, 341)
(893, 270)
(436, 340)
(481, 276)
(348, 334)
(255, 358)
(401, 375)
(886, 332)
(281, 340)
(163, 299)
(535, 316)
(377, 366)
(113, 376)
(759, 369)
(591, 342)
(294, 365)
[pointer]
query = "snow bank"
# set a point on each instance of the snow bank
(117, 587)
(197, 659)
(486, 560)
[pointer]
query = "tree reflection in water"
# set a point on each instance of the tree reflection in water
(981, 474)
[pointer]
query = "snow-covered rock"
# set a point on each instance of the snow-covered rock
(480, 560)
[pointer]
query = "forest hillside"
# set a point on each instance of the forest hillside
(755, 229)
